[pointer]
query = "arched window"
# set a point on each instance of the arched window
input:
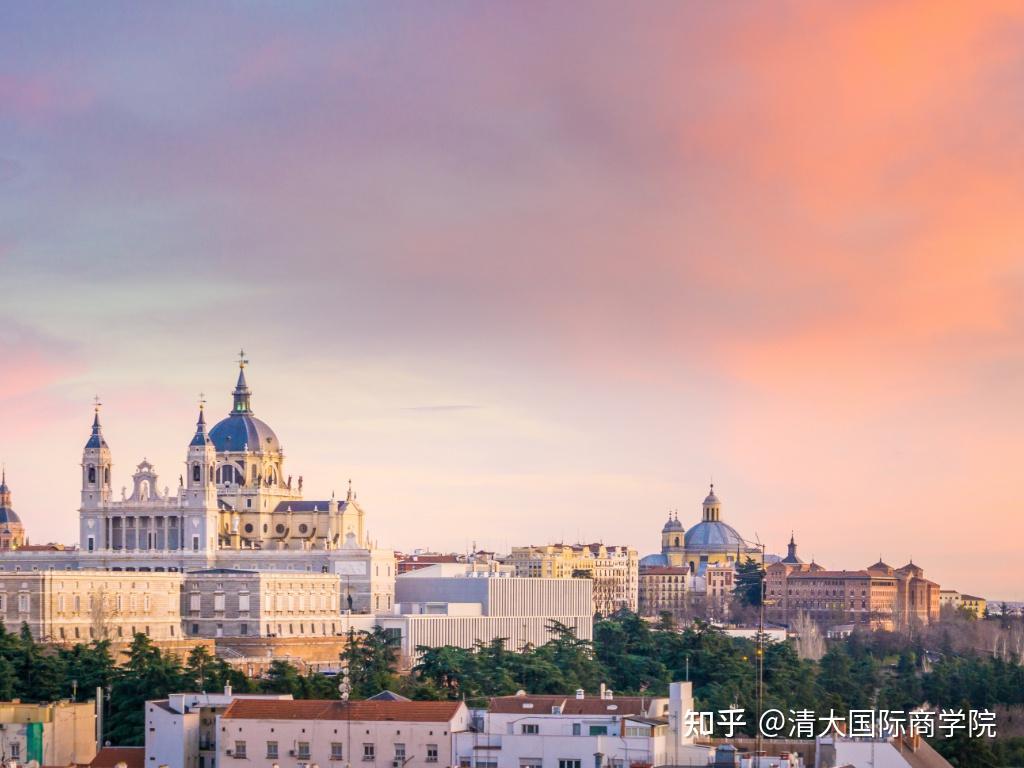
(92, 474)
(195, 473)
(677, 541)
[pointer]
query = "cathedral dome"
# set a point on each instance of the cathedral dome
(241, 430)
(714, 535)
(9, 516)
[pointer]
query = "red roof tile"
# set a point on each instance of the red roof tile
(108, 757)
(406, 711)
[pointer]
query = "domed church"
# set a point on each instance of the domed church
(711, 541)
(12, 533)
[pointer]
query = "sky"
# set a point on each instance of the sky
(533, 272)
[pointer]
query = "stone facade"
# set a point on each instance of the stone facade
(81, 606)
(233, 603)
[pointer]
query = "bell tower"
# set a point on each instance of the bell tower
(712, 507)
(96, 466)
(200, 495)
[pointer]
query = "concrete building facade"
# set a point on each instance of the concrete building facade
(613, 570)
(59, 733)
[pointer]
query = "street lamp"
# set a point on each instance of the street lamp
(345, 689)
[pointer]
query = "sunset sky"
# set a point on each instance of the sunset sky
(530, 272)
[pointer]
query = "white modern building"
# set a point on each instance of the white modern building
(181, 730)
(599, 730)
(446, 604)
(290, 734)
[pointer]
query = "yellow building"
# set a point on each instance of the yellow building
(61, 733)
(974, 604)
(612, 569)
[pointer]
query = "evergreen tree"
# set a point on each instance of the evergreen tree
(148, 674)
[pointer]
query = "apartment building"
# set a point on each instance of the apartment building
(181, 730)
(58, 733)
(599, 730)
(396, 733)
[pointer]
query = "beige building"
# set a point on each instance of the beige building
(665, 589)
(61, 733)
(613, 570)
(400, 733)
(79, 606)
(225, 602)
(975, 605)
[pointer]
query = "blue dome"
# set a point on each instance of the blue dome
(8, 515)
(653, 561)
(240, 431)
(714, 535)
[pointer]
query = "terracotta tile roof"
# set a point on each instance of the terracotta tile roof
(108, 757)
(832, 575)
(318, 709)
(592, 705)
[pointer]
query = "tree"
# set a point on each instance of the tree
(90, 665)
(148, 674)
(282, 677)
(749, 578)
(371, 658)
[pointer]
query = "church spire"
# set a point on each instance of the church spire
(242, 393)
(201, 438)
(96, 438)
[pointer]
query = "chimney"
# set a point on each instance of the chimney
(579, 693)
(227, 690)
(608, 694)
(602, 691)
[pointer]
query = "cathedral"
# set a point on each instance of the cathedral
(234, 495)
(234, 506)
(712, 541)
